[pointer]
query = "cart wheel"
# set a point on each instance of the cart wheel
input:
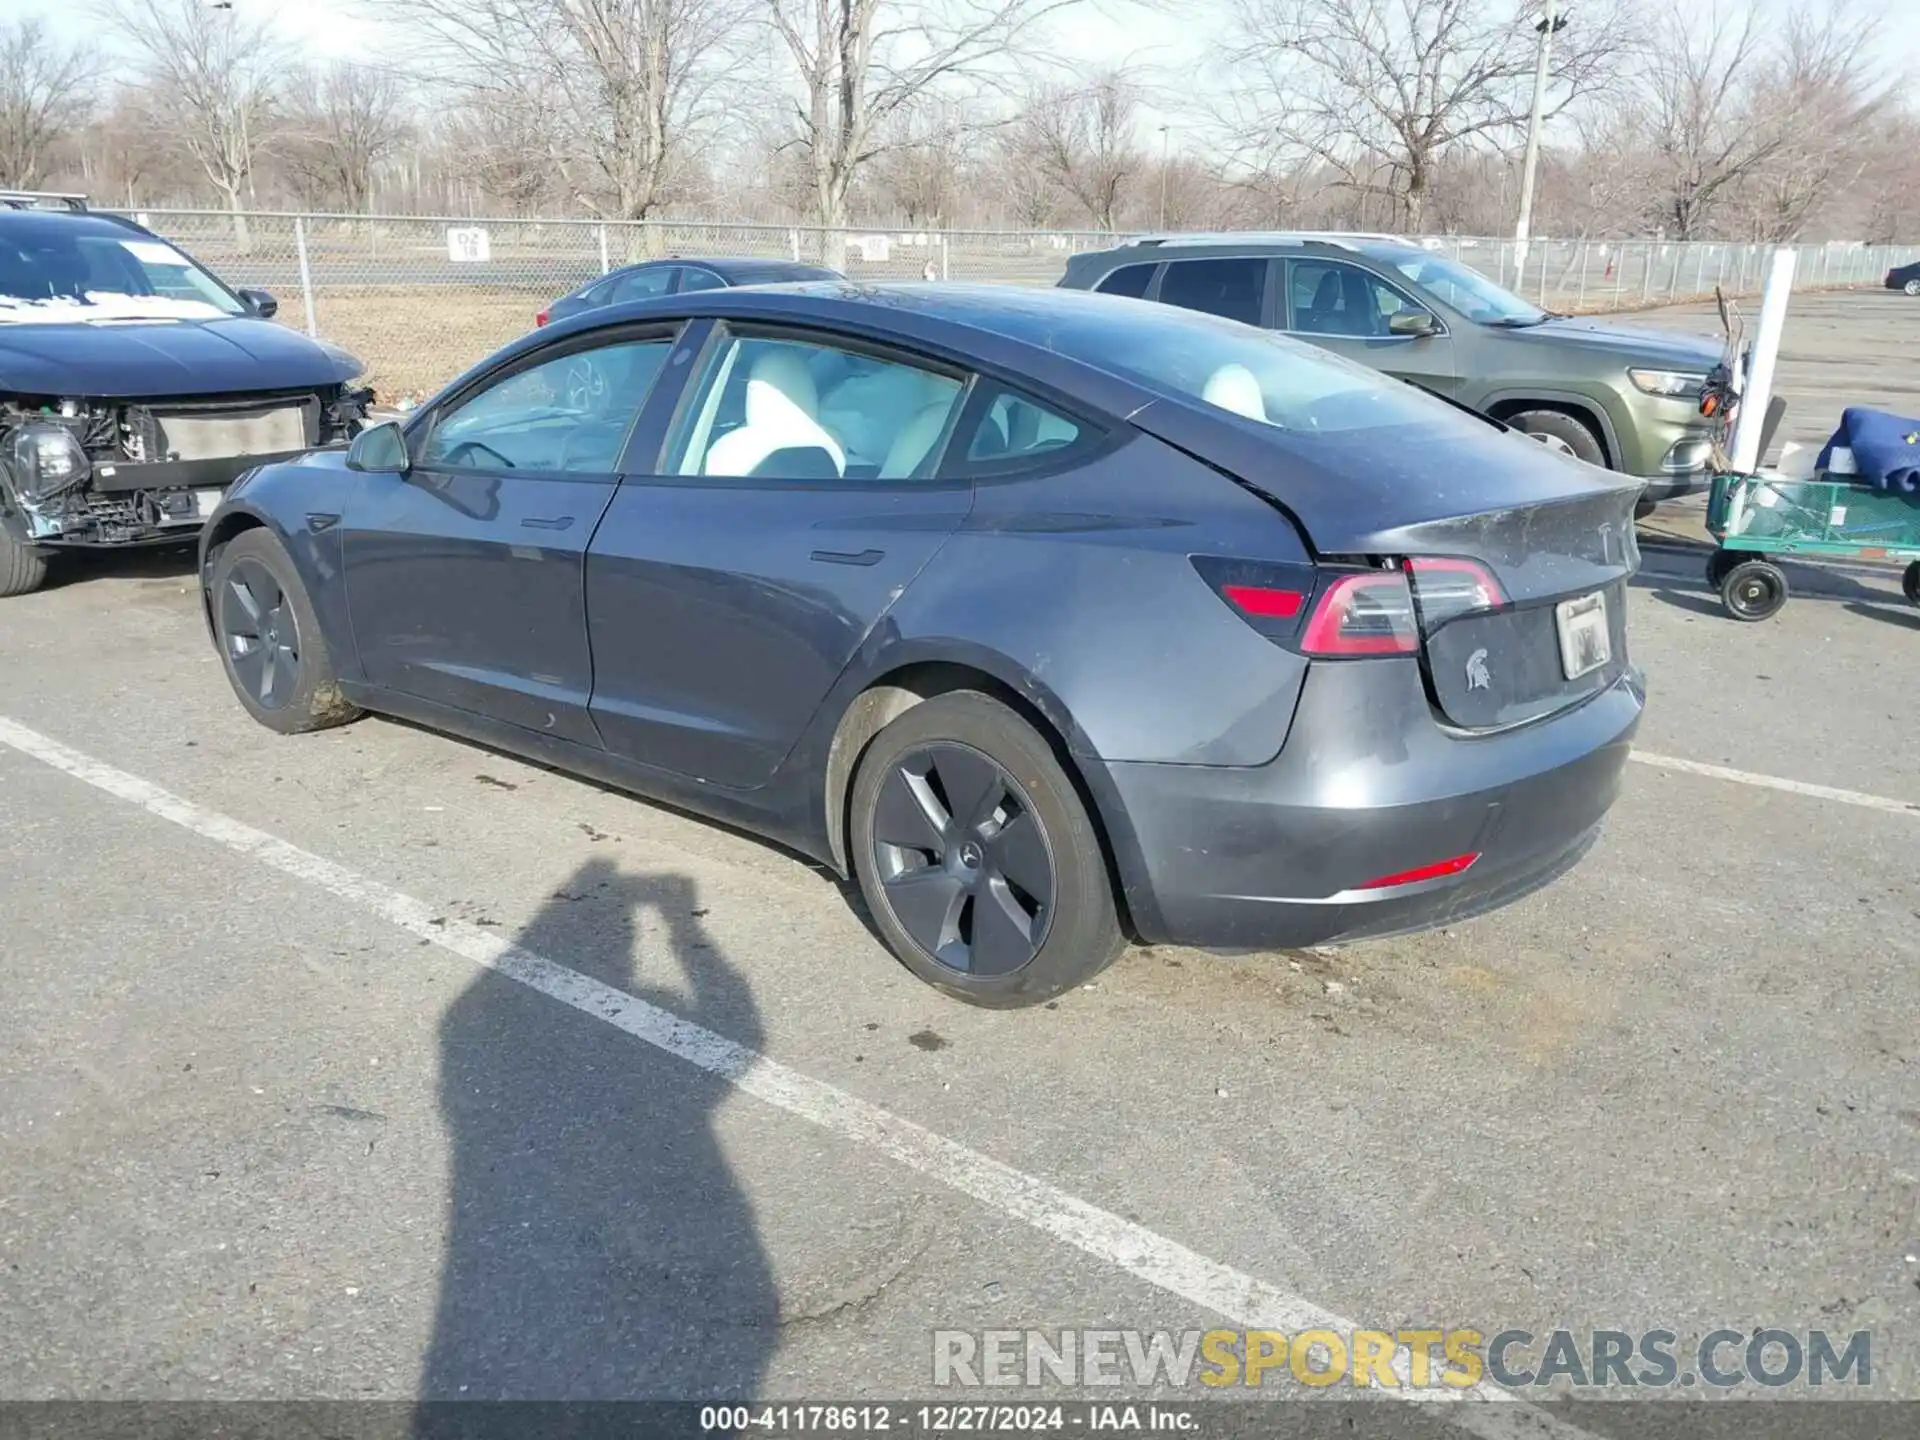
(1753, 590)
(1719, 563)
(1910, 583)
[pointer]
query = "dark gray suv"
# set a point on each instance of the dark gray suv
(1616, 396)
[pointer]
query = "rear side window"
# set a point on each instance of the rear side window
(1015, 428)
(644, 283)
(1129, 280)
(695, 279)
(1231, 289)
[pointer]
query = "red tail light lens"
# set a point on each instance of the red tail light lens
(1446, 581)
(1264, 601)
(542, 317)
(1426, 872)
(1365, 613)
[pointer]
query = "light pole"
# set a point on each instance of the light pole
(1550, 21)
(1163, 177)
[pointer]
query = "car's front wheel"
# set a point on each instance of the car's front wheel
(22, 568)
(1559, 431)
(270, 640)
(977, 858)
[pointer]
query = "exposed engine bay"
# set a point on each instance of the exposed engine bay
(125, 472)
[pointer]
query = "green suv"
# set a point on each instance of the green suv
(1614, 396)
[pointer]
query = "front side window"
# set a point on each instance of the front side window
(1333, 298)
(794, 410)
(67, 275)
(569, 414)
(1231, 289)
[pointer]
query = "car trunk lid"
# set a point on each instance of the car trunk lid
(1550, 532)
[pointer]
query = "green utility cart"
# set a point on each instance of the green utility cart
(1754, 517)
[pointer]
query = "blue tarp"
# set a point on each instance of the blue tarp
(1886, 448)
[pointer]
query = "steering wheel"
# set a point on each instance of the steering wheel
(459, 453)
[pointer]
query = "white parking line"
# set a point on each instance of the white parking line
(1242, 1299)
(1775, 782)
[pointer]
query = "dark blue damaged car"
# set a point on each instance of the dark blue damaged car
(1054, 619)
(134, 386)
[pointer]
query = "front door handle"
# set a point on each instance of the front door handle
(850, 557)
(557, 522)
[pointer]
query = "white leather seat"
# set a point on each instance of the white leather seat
(1232, 387)
(915, 440)
(782, 410)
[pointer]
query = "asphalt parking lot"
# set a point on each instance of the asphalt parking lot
(317, 1078)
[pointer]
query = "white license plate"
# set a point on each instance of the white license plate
(1585, 644)
(208, 501)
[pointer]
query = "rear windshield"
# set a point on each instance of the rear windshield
(1252, 373)
(66, 274)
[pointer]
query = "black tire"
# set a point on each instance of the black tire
(1719, 563)
(925, 803)
(22, 568)
(1910, 583)
(286, 681)
(1912, 287)
(1562, 432)
(1753, 590)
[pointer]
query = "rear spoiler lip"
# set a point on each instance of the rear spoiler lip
(1345, 507)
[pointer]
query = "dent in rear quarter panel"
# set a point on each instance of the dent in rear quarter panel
(1082, 582)
(303, 502)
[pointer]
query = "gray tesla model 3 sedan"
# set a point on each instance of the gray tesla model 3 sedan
(1052, 618)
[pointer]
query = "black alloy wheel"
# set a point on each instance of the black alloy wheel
(269, 637)
(963, 860)
(979, 861)
(260, 633)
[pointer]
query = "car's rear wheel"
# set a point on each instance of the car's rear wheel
(977, 858)
(1912, 287)
(22, 568)
(269, 637)
(1558, 430)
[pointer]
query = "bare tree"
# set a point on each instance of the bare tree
(922, 162)
(1082, 137)
(1380, 91)
(1821, 95)
(46, 93)
(342, 121)
(208, 77)
(1698, 72)
(862, 61)
(615, 87)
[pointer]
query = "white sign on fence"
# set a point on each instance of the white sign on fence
(469, 244)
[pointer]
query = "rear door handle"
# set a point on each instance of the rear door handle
(850, 557)
(558, 522)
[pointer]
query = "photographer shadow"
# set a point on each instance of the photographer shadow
(598, 1246)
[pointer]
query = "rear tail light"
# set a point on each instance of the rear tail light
(542, 317)
(1368, 612)
(1426, 872)
(1265, 602)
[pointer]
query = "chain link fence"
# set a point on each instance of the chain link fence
(420, 299)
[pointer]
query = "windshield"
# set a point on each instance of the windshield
(61, 276)
(1259, 376)
(1469, 292)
